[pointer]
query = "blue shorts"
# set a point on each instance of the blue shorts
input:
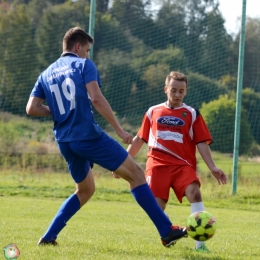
(103, 151)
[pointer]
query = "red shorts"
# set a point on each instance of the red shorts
(161, 178)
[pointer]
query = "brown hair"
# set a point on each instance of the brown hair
(176, 76)
(75, 35)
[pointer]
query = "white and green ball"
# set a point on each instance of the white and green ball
(201, 225)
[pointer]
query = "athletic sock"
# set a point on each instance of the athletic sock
(146, 200)
(69, 207)
(197, 206)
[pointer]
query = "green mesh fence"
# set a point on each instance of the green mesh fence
(135, 48)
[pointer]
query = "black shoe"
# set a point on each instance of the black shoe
(175, 234)
(44, 242)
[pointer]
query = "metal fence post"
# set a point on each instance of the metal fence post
(92, 24)
(238, 99)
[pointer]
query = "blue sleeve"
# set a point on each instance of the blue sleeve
(37, 90)
(90, 72)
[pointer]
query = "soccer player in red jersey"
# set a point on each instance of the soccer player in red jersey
(172, 131)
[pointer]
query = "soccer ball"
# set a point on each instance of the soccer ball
(201, 225)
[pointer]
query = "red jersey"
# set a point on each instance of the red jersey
(172, 134)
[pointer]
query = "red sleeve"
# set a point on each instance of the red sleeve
(201, 132)
(144, 130)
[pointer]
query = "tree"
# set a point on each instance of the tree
(202, 89)
(251, 101)
(102, 6)
(17, 59)
(54, 23)
(153, 70)
(119, 81)
(173, 57)
(154, 77)
(197, 27)
(35, 11)
(133, 15)
(53, 2)
(171, 25)
(252, 54)
(219, 115)
(229, 81)
(109, 34)
(215, 47)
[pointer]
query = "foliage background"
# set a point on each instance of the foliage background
(135, 48)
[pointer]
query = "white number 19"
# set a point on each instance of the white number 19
(70, 96)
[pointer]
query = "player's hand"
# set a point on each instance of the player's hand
(116, 175)
(219, 175)
(125, 136)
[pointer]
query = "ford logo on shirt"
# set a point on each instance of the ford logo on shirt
(170, 121)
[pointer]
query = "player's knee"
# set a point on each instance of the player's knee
(194, 196)
(197, 196)
(85, 194)
(193, 193)
(131, 172)
(139, 173)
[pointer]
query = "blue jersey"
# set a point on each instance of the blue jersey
(63, 86)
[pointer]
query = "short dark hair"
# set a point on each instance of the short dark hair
(75, 35)
(176, 76)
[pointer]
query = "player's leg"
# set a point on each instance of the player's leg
(192, 192)
(84, 191)
(193, 195)
(185, 182)
(130, 171)
(140, 190)
(161, 202)
(85, 187)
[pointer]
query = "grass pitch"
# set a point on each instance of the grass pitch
(113, 226)
(120, 230)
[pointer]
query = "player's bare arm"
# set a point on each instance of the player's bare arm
(205, 153)
(104, 109)
(35, 107)
(135, 147)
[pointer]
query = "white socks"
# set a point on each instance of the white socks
(197, 206)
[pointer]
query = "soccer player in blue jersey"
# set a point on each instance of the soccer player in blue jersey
(70, 86)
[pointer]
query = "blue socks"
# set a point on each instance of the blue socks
(69, 207)
(144, 197)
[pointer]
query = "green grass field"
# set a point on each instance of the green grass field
(120, 230)
(112, 226)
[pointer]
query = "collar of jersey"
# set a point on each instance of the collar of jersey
(165, 104)
(68, 54)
